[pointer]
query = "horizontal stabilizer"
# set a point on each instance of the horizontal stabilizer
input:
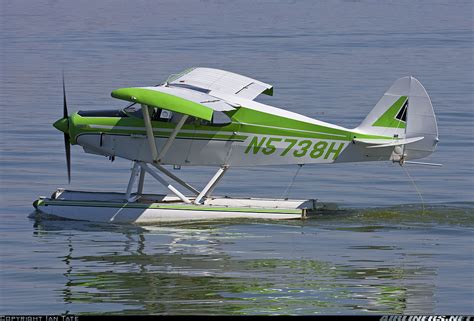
(379, 143)
(423, 164)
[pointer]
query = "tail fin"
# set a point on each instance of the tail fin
(405, 111)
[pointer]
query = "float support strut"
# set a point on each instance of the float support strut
(176, 178)
(165, 183)
(211, 185)
(141, 180)
(131, 182)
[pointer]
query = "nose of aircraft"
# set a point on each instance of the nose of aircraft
(62, 124)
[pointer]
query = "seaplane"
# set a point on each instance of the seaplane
(209, 117)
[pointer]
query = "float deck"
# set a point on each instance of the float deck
(155, 208)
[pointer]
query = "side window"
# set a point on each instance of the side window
(220, 118)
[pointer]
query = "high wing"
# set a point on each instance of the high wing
(220, 81)
(196, 91)
(181, 100)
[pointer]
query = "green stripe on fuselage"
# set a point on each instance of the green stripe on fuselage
(244, 122)
(131, 125)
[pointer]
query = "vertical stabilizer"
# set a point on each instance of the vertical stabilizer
(404, 111)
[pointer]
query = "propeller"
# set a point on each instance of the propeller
(67, 143)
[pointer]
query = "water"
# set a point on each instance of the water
(331, 61)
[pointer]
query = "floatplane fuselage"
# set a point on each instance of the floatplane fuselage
(209, 117)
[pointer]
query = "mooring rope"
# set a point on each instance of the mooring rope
(417, 190)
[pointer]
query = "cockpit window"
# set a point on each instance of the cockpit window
(156, 114)
(219, 118)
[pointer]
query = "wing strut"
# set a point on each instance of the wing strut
(171, 139)
(149, 132)
(157, 157)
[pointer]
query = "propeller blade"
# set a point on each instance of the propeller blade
(67, 147)
(64, 100)
(67, 143)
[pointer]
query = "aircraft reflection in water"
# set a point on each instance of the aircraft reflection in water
(203, 269)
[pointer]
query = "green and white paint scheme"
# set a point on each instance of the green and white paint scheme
(206, 116)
